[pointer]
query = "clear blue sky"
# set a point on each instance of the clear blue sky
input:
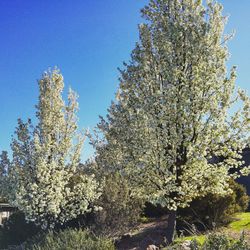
(87, 40)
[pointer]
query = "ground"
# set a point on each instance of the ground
(241, 223)
(154, 233)
(151, 233)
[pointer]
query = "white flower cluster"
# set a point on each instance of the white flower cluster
(169, 129)
(44, 178)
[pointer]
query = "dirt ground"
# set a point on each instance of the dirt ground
(146, 234)
(153, 233)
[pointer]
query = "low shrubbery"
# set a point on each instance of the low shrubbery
(120, 209)
(207, 212)
(16, 230)
(213, 241)
(68, 240)
(221, 242)
(212, 210)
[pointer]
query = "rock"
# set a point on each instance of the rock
(186, 245)
(153, 247)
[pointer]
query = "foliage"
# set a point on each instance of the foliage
(222, 242)
(199, 239)
(4, 165)
(170, 120)
(16, 230)
(240, 244)
(217, 242)
(70, 239)
(213, 241)
(214, 210)
(169, 130)
(121, 209)
(46, 159)
(154, 210)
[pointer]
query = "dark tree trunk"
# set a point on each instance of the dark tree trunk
(171, 226)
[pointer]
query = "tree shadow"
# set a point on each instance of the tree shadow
(148, 234)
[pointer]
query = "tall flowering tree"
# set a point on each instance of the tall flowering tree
(44, 174)
(170, 129)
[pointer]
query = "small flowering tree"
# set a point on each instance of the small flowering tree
(171, 123)
(4, 165)
(43, 175)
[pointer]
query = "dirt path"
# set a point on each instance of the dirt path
(146, 234)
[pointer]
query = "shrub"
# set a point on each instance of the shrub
(217, 242)
(240, 244)
(222, 242)
(214, 241)
(16, 230)
(213, 210)
(121, 210)
(70, 239)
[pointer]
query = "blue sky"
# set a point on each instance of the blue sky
(87, 40)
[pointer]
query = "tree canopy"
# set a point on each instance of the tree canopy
(171, 129)
(43, 174)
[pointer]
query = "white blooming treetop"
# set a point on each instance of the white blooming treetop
(4, 166)
(170, 128)
(45, 182)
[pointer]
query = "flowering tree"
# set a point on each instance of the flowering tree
(4, 165)
(43, 173)
(170, 123)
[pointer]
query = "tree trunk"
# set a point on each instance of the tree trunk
(171, 226)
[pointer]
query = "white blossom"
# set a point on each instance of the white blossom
(170, 129)
(46, 184)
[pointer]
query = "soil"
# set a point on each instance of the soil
(152, 233)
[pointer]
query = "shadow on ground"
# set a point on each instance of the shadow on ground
(147, 234)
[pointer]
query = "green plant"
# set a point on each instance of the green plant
(68, 240)
(214, 210)
(222, 242)
(213, 241)
(216, 242)
(240, 244)
(121, 209)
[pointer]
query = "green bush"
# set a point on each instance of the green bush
(69, 239)
(120, 209)
(240, 244)
(222, 242)
(213, 241)
(16, 230)
(214, 210)
(217, 242)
